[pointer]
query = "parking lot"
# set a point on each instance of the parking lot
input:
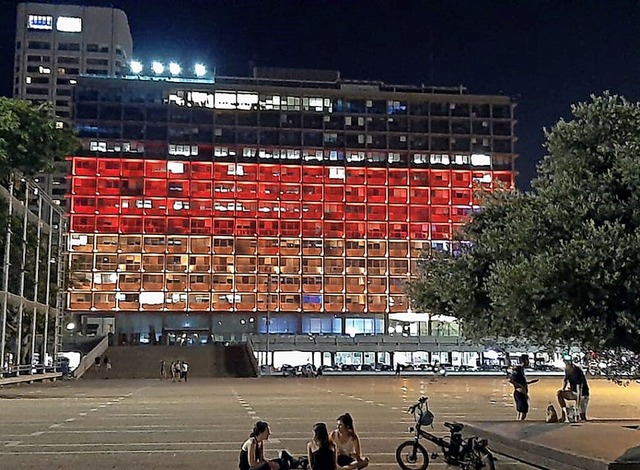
(128, 424)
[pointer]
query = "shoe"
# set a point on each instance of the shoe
(583, 416)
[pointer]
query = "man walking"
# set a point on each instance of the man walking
(184, 366)
(574, 387)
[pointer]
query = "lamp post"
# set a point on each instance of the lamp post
(268, 314)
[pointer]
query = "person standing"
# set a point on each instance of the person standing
(163, 369)
(574, 387)
(521, 387)
(184, 369)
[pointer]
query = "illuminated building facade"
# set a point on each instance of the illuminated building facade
(207, 205)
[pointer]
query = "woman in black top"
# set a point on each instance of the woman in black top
(321, 451)
(252, 451)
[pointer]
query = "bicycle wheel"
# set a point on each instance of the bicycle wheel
(478, 458)
(412, 456)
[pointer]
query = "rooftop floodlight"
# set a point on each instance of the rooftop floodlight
(136, 66)
(174, 68)
(157, 67)
(200, 70)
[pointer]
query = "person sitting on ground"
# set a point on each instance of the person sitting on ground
(321, 451)
(521, 388)
(574, 387)
(347, 442)
(252, 451)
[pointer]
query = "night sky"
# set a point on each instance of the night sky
(545, 54)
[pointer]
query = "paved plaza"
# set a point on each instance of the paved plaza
(125, 424)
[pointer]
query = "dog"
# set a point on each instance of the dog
(552, 415)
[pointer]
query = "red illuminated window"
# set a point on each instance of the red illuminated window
(155, 169)
(399, 213)
(440, 196)
(133, 168)
(110, 167)
(312, 174)
(376, 194)
(131, 224)
(311, 192)
(83, 205)
(419, 231)
(398, 177)
(377, 230)
(460, 179)
(376, 176)
(84, 167)
(356, 229)
(356, 175)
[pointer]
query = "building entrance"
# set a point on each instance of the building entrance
(186, 337)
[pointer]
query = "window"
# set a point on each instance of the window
(69, 24)
(184, 150)
(39, 45)
(68, 46)
(43, 22)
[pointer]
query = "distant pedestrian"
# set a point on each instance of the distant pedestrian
(107, 366)
(184, 369)
(163, 369)
(175, 371)
(398, 369)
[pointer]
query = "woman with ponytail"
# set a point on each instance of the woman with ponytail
(252, 451)
(347, 442)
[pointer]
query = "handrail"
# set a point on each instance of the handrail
(89, 359)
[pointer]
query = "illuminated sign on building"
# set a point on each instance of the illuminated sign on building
(44, 22)
(69, 24)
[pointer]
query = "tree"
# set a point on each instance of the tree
(559, 265)
(29, 139)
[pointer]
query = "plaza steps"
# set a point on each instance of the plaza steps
(215, 360)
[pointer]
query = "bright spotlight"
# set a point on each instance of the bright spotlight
(71, 326)
(157, 67)
(174, 68)
(200, 70)
(136, 66)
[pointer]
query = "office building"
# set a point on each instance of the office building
(205, 207)
(57, 43)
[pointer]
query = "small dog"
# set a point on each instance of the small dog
(552, 415)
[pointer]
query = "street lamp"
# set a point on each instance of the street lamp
(268, 314)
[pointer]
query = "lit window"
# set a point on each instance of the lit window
(336, 173)
(480, 159)
(175, 167)
(44, 22)
(69, 24)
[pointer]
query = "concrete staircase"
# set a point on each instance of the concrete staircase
(143, 362)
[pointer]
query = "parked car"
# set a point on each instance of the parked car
(348, 368)
(367, 368)
(383, 367)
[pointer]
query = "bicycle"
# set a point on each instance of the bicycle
(469, 454)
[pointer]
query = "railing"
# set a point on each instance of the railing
(88, 359)
(28, 373)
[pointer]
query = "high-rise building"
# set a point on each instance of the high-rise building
(208, 207)
(57, 43)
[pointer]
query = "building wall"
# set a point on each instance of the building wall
(174, 207)
(49, 57)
